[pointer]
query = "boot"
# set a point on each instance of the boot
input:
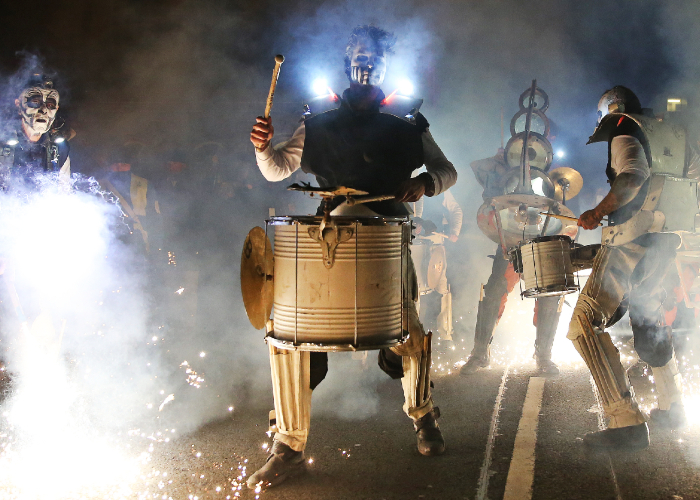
(282, 464)
(631, 438)
(673, 418)
(546, 366)
(429, 438)
(547, 320)
(476, 361)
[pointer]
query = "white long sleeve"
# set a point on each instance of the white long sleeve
(438, 166)
(279, 162)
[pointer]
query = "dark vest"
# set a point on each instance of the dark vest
(371, 151)
(26, 159)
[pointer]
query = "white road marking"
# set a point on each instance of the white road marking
(602, 427)
(483, 485)
(521, 472)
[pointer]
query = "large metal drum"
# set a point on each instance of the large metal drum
(355, 304)
(545, 266)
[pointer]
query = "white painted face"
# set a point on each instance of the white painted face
(367, 64)
(38, 108)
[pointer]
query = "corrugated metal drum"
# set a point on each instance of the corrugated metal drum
(357, 303)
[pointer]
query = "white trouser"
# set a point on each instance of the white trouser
(292, 392)
(668, 384)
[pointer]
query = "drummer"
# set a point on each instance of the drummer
(630, 269)
(359, 146)
(491, 174)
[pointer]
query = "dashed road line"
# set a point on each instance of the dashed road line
(521, 472)
(485, 474)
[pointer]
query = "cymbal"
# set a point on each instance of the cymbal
(257, 264)
(566, 177)
(326, 192)
(436, 266)
(514, 232)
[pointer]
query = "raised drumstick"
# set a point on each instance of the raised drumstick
(279, 59)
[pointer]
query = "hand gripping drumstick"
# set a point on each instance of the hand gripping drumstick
(279, 59)
(565, 217)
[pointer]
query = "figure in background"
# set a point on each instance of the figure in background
(430, 256)
(491, 174)
(35, 143)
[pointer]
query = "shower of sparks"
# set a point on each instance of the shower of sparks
(192, 377)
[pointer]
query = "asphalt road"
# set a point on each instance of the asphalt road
(375, 457)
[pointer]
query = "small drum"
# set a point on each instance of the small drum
(355, 300)
(545, 266)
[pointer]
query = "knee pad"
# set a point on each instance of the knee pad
(653, 344)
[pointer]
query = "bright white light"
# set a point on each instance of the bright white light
(59, 140)
(202, 354)
(320, 86)
(537, 186)
(561, 154)
(12, 142)
(405, 87)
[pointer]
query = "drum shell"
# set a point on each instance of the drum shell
(545, 266)
(356, 304)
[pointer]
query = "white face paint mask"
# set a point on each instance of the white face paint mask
(38, 108)
(367, 65)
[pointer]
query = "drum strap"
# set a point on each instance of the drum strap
(646, 220)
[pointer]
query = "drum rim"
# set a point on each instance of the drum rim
(286, 220)
(551, 237)
(556, 290)
(328, 347)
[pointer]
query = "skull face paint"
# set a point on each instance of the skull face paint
(367, 64)
(38, 107)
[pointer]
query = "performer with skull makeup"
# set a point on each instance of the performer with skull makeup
(35, 145)
(651, 202)
(359, 145)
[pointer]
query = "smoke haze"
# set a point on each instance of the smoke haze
(172, 75)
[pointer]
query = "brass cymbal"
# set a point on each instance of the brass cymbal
(566, 177)
(257, 264)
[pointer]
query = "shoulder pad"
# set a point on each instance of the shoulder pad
(609, 124)
(320, 104)
(401, 106)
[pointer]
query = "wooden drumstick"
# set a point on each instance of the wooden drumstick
(279, 59)
(563, 217)
(369, 199)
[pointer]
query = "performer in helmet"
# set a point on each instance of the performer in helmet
(360, 144)
(491, 174)
(34, 145)
(650, 196)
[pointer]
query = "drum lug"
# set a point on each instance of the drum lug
(330, 236)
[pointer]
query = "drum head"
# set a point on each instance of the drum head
(257, 264)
